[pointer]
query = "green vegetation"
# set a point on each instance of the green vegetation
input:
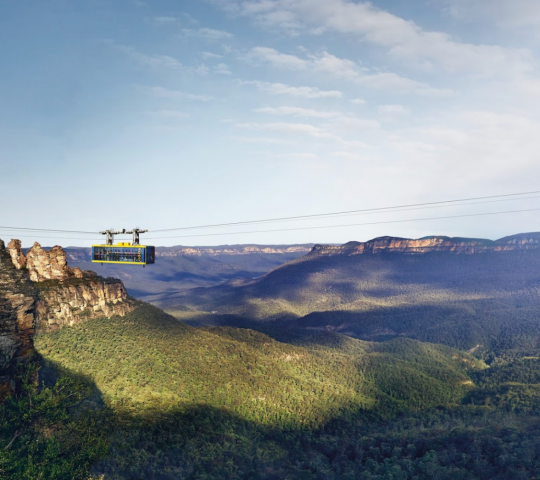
(211, 401)
(176, 402)
(49, 434)
(148, 361)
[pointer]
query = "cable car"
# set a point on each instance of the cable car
(124, 252)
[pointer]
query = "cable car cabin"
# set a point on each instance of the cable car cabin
(124, 253)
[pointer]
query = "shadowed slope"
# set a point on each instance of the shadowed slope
(461, 300)
(149, 361)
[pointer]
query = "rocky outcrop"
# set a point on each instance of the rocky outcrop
(18, 297)
(43, 265)
(431, 244)
(40, 291)
(15, 251)
(74, 301)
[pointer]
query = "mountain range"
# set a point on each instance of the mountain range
(466, 293)
(388, 359)
(179, 268)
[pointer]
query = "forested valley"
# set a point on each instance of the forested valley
(445, 389)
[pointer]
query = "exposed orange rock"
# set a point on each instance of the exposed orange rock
(43, 265)
(15, 251)
(431, 244)
(45, 295)
(70, 303)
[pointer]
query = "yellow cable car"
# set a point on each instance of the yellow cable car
(124, 252)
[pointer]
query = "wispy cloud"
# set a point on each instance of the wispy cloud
(283, 89)
(152, 61)
(403, 39)
(505, 13)
(343, 69)
(298, 112)
(393, 110)
(207, 34)
(265, 140)
(340, 129)
(170, 114)
(183, 18)
(210, 55)
(165, 20)
(166, 62)
(221, 69)
(162, 92)
(304, 129)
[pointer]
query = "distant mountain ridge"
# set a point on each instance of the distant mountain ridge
(456, 291)
(79, 254)
(183, 267)
(459, 245)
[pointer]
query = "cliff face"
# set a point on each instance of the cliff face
(431, 244)
(74, 301)
(40, 291)
(17, 323)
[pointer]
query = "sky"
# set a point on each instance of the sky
(171, 114)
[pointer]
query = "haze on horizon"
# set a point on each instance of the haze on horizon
(163, 114)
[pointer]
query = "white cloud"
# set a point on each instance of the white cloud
(352, 124)
(207, 33)
(170, 20)
(505, 13)
(165, 20)
(401, 38)
(343, 69)
(165, 62)
(301, 156)
(358, 101)
(162, 92)
(221, 69)
(298, 112)
(267, 140)
(393, 110)
(339, 129)
(282, 89)
(305, 129)
(168, 114)
(152, 61)
(348, 156)
(260, 55)
(210, 55)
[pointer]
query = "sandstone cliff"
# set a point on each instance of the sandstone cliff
(39, 291)
(526, 241)
(18, 296)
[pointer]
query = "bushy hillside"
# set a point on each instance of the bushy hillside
(149, 361)
(488, 301)
(231, 403)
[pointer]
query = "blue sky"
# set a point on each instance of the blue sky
(165, 114)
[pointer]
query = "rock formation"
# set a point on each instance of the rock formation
(40, 291)
(73, 302)
(431, 244)
(17, 323)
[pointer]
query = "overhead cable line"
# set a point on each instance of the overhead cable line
(46, 230)
(366, 210)
(39, 236)
(351, 224)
